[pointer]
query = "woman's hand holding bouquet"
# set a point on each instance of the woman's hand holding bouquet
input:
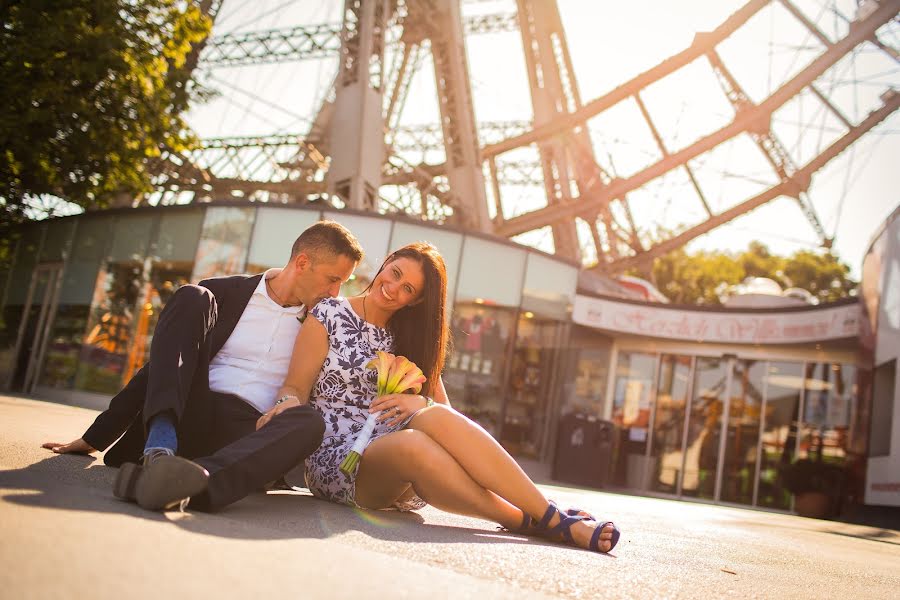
(396, 375)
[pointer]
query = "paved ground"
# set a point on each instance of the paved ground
(65, 536)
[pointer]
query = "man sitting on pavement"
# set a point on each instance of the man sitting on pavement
(218, 356)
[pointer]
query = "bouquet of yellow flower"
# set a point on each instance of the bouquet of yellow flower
(396, 375)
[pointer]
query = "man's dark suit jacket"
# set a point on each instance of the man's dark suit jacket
(125, 409)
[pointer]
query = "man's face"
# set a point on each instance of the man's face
(322, 278)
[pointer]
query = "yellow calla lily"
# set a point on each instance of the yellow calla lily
(382, 363)
(396, 374)
(412, 382)
(400, 367)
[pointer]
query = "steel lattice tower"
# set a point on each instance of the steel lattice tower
(356, 154)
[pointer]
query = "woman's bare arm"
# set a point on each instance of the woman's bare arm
(440, 393)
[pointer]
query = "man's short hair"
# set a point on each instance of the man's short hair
(327, 239)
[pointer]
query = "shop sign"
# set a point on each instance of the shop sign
(732, 327)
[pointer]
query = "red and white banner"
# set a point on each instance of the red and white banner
(731, 327)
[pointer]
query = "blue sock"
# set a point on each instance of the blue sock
(161, 432)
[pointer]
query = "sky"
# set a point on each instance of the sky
(610, 42)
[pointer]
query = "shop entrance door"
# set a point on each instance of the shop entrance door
(525, 412)
(671, 406)
(34, 329)
(685, 444)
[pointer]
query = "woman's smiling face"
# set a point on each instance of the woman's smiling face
(399, 284)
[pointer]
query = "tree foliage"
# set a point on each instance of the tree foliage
(91, 90)
(707, 277)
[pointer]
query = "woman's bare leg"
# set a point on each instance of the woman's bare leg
(393, 462)
(491, 467)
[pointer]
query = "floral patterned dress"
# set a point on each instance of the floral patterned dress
(343, 393)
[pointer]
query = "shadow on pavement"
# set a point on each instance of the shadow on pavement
(80, 483)
(873, 534)
(885, 536)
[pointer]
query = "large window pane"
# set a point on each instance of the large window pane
(39, 302)
(115, 307)
(491, 272)
(474, 374)
(668, 421)
(58, 239)
(704, 426)
(584, 373)
(19, 279)
(179, 234)
(170, 268)
(742, 443)
(784, 384)
(131, 237)
(549, 287)
(71, 323)
(448, 243)
(26, 258)
(223, 242)
(828, 404)
(884, 388)
(274, 234)
(631, 413)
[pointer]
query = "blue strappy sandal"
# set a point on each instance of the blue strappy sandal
(525, 527)
(595, 538)
(529, 525)
(568, 518)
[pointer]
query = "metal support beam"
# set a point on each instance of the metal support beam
(744, 121)
(800, 16)
(440, 21)
(831, 107)
(311, 42)
(665, 152)
(356, 136)
(553, 92)
(702, 42)
(799, 182)
(768, 143)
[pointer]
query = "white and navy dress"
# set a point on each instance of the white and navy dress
(343, 393)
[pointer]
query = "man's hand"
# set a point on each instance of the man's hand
(78, 446)
(279, 408)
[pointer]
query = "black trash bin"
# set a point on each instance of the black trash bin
(584, 450)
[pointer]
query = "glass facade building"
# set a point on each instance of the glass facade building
(703, 404)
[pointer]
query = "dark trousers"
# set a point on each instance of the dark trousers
(218, 430)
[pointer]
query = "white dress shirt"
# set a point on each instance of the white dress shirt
(254, 360)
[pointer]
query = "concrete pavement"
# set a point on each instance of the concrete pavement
(65, 536)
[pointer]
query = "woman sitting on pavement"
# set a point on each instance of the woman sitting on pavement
(422, 450)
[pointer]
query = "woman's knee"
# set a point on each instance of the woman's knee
(410, 448)
(437, 418)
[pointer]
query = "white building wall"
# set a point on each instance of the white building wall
(883, 473)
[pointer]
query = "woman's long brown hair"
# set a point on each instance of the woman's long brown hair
(420, 330)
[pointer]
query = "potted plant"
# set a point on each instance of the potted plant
(815, 485)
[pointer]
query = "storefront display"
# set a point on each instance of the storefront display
(634, 380)
(525, 414)
(475, 368)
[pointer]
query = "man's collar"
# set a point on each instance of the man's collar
(263, 290)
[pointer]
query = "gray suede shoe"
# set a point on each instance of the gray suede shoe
(163, 482)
